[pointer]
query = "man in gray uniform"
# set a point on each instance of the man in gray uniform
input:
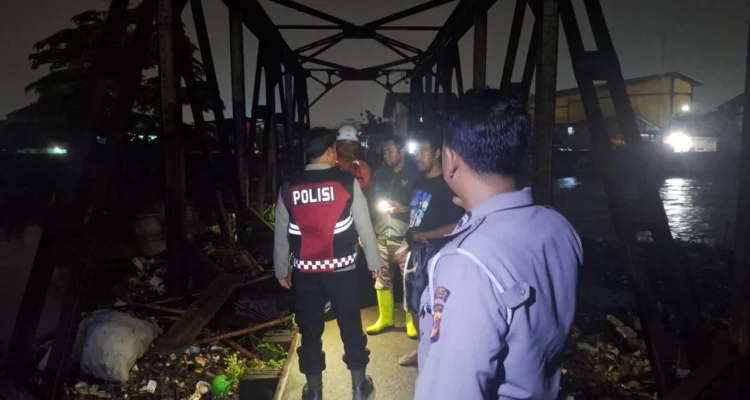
(498, 310)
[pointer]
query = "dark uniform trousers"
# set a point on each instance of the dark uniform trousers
(311, 292)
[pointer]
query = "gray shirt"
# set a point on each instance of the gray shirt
(362, 222)
(497, 313)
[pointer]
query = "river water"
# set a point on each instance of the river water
(698, 209)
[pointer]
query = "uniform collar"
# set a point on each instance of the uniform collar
(315, 167)
(498, 202)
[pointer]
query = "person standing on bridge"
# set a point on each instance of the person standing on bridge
(347, 153)
(497, 314)
(393, 184)
(316, 214)
(433, 215)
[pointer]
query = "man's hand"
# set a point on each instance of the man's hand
(400, 255)
(286, 282)
(420, 238)
(398, 208)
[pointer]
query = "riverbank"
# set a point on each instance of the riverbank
(607, 357)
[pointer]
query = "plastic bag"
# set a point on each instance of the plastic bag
(113, 343)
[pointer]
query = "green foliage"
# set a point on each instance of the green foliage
(269, 215)
(235, 369)
(271, 356)
(69, 54)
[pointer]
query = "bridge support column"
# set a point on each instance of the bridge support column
(480, 49)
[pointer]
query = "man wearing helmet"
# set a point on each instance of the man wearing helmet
(347, 147)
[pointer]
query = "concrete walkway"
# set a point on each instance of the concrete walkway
(392, 382)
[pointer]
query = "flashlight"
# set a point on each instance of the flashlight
(384, 206)
(411, 147)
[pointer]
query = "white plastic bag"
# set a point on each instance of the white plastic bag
(113, 343)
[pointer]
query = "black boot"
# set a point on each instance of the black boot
(313, 389)
(362, 385)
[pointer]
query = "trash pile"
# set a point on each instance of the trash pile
(114, 356)
(191, 375)
(606, 357)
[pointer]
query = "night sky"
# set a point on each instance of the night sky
(706, 39)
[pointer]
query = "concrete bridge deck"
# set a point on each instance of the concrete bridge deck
(392, 382)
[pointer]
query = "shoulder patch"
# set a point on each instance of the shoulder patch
(437, 315)
(441, 293)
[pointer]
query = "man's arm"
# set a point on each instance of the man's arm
(281, 240)
(364, 228)
(435, 234)
(467, 335)
(366, 180)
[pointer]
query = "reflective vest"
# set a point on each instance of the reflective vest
(321, 230)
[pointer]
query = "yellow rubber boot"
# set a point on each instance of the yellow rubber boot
(385, 309)
(411, 330)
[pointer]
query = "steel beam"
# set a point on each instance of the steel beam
(172, 132)
(289, 125)
(185, 64)
(57, 217)
(237, 60)
(260, 24)
(58, 364)
(458, 23)
(313, 12)
(380, 28)
(480, 49)
(544, 105)
(740, 271)
(407, 13)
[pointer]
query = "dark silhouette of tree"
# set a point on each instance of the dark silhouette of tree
(69, 55)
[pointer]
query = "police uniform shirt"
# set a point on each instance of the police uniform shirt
(499, 307)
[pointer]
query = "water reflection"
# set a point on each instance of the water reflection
(567, 183)
(697, 209)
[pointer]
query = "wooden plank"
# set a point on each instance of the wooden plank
(182, 334)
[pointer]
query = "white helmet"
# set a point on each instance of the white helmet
(348, 132)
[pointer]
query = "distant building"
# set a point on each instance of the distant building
(655, 98)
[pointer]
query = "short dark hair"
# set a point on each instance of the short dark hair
(317, 140)
(397, 140)
(433, 138)
(490, 130)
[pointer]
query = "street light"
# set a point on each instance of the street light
(685, 107)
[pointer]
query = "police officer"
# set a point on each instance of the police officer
(317, 212)
(499, 306)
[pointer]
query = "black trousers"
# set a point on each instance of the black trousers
(311, 291)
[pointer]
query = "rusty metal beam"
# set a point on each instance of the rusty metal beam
(544, 104)
(429, 5)
(186, 71)
(256, 19)
(60, 355)
(740, 272)
(313, 12)
(480, 49)
(172, 132)
(57, 217)
(607, 67)
(380, 28)
(237, 61)
(458, 23)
